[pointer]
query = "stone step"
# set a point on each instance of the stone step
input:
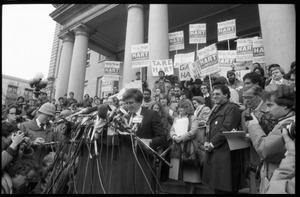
(178, 187)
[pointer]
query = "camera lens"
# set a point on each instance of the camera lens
(291, 131)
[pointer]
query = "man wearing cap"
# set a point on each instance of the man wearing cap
(39, 132)
(163, 83)
(235, 83)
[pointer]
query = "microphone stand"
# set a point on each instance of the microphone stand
(157, 157)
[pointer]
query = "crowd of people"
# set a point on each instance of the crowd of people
(261, 105)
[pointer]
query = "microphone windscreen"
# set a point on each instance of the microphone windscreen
(102, 111)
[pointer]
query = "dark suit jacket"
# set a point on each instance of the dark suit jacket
(151, 128)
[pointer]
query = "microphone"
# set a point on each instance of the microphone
(101, 120)
(136, 120)
(119, 113)
(89, 110)
(102, 111)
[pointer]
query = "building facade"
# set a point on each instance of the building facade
(89, 34)
(12, 87)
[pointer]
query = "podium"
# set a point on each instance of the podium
(116, 167)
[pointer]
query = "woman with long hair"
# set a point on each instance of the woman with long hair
(185, 144)
(165, 119)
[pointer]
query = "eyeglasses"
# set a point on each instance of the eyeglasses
(248, 97)
(203, 88)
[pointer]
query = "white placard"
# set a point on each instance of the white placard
(197, 33)
(112, 70)
(140, 55)
(184, 72)
(183, 58)
(244, 50)
(164, 65)
(208, 60)
(226, 57)
(134, 84)
(176, 41)
(107, 86)
(181, 126)
(258, 51)
(226, 30)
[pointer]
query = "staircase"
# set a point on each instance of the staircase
(178, 187)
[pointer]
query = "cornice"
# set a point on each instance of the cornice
(83, 29)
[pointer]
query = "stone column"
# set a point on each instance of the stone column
(64, 65)
(278, 27)
(78, 65)
(158, 37)
(134, 35)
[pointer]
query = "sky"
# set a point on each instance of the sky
(27, 38)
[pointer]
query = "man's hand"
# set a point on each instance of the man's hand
(253, 121)
(177, 139)
(38, 141)
(208, 147)
(289, 143)
(202, 123)
(17, 138)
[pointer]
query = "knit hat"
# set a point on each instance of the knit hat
(20, 97)
(231, 72)
(199, 99)
(47, 108)
(161, 72)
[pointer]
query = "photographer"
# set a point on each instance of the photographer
(20, 103)
(280, 103)
(13, 115)
(283, 179)
(10, 141)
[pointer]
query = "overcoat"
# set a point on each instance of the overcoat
(218, 164)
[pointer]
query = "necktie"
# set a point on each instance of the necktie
(132, 116)
(42, 126)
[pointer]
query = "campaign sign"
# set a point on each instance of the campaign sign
(112, 70)
(244, 50)
(226, 57)
(258, 51)
(208, 60)
(140, 55)
(197, 33)
(164, 65)
(195, 68)
(176, 41)
(226, 30)
(184, 58)
(107, 86)
(184, 72)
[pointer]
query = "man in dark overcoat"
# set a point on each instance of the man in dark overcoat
(221, 170)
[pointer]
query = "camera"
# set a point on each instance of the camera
(20, 119)
(290, 127)
(248, 117)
